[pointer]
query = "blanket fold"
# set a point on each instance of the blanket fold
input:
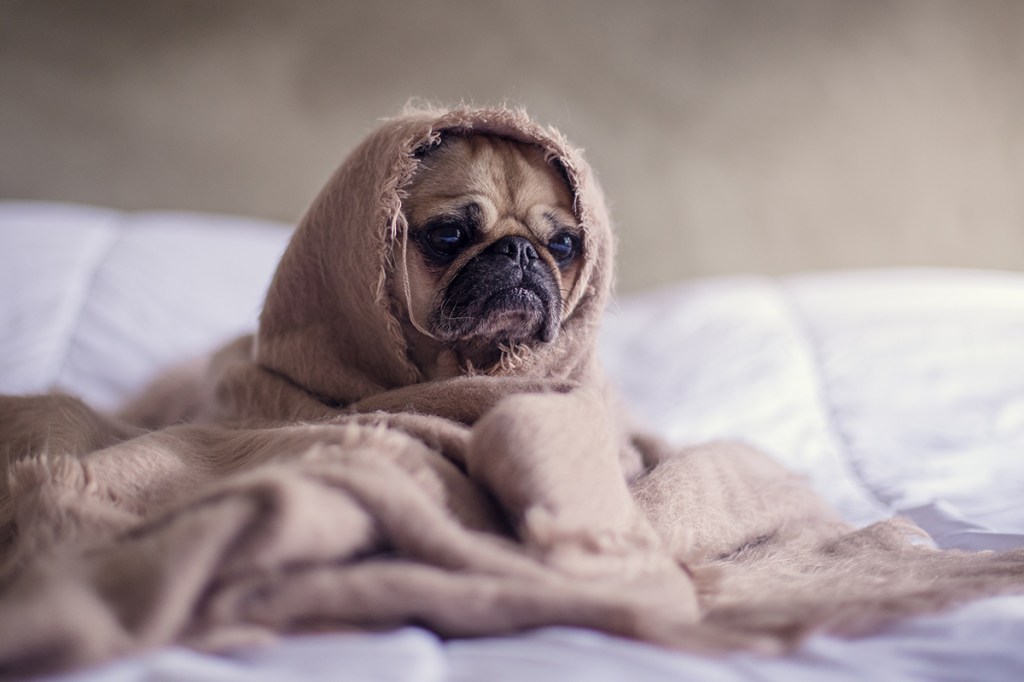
(309, 477)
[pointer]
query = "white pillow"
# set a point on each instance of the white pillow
(96, 301)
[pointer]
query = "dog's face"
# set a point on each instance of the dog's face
(494, 249)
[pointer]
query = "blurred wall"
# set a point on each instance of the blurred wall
(758, 135)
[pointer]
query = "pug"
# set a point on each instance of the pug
(493, 252)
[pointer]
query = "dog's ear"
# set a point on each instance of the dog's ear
(434, 142)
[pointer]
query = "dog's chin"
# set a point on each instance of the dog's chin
(512, 316)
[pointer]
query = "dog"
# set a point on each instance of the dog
(491, 254)
(494, 250)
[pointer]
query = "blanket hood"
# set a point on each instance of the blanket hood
(329, 324)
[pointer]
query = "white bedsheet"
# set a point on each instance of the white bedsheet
(893, 391)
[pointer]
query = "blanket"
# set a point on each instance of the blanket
(308, 477)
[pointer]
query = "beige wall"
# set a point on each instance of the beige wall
(731, 136)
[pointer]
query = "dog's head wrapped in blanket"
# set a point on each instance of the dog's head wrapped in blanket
(330, 476)
(333, 320)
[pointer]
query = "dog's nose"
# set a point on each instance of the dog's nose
(518, 249)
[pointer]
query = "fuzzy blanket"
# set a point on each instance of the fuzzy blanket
(309, 478)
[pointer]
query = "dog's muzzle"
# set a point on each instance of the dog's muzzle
(507, 293)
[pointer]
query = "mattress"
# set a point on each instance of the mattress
(892, 391)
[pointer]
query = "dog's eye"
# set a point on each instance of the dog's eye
(446, 239)
(563, 247)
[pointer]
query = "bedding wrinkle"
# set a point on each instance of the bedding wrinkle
(812, 352)
(104, 244)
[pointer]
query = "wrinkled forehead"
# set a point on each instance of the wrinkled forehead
(491, 167)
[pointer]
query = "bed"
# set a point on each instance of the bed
(893, 391)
